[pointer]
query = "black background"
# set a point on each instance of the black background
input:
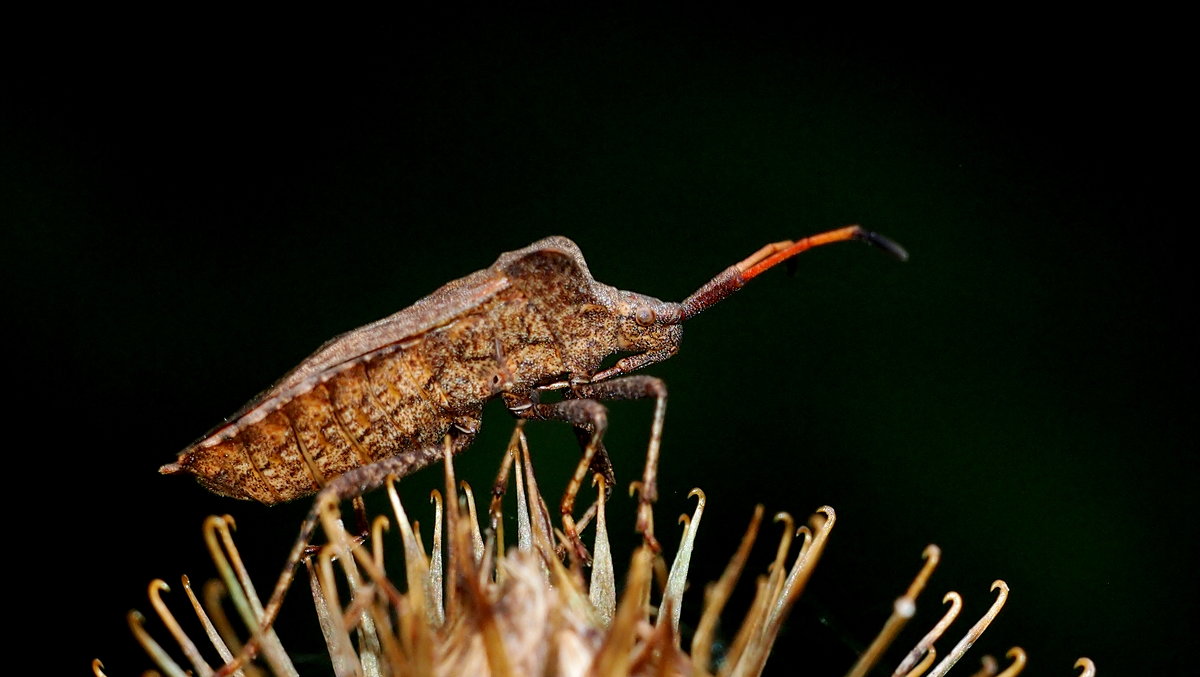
(189, 210)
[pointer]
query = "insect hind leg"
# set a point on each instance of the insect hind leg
(360, 520)
(349, 485)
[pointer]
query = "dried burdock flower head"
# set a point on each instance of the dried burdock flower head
(470, 606)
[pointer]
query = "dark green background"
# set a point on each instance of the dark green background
(189, 211)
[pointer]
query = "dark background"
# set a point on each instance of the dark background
(189, 211)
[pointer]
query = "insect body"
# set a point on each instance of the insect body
(534, 320)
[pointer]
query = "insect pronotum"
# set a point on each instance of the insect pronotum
(381, 400)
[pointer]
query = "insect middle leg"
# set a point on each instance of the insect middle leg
(586, 413)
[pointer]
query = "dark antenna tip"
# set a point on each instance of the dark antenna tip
(877, 240)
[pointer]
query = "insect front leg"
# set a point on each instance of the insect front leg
(590, 419)
(349, 485)
(638, 387)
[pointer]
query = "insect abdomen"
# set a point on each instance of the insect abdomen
(400, 398)
(365, 412)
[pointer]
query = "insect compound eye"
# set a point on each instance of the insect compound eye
(644, 316)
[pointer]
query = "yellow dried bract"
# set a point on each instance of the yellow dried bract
(472, 607)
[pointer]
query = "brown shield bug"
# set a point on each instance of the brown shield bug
(389, 397)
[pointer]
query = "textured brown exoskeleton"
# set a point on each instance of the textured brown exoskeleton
(382, 399)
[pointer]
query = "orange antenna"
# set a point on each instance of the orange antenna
(734, 277)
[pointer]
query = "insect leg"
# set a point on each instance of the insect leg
(601, 465)
(601, 462)
(351, 484)
(638, 387)
(590, 419)
(364, 530)
(585, 403)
